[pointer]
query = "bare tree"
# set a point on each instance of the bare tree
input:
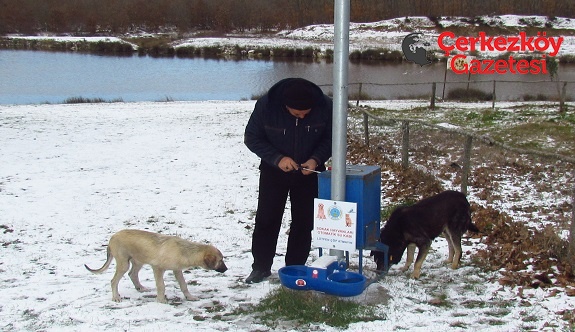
(28, 16)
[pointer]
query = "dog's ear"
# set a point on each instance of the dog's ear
(211, 261)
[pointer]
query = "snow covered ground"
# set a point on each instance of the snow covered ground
(385, 34)
(72, 175)
(389, 34)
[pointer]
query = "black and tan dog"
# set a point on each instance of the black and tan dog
(162, 252)
(417, 225)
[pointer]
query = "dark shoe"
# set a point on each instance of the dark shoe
(257, 276)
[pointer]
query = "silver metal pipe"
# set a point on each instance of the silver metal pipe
(340, 101)
(310, 170)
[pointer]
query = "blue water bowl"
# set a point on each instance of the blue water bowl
(346, 283)
(340, 283)
(294, 277)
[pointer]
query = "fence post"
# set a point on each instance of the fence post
(366, 128)
(433, 87)
(444, 80)
(572, 233)
(562, 98)
(405, 144)
(359, 95)
(466, 164)
(493, 94)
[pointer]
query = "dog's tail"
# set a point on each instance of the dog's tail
(109, 258)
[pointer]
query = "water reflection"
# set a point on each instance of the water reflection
(38, 77)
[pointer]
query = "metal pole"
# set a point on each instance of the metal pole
(444, 81)
(466, 164)
(405, 144)
(494, 94)
(433, 88)
(366, 129)
(562, 98)
(359, 95)
(571, 243)
(340, 100)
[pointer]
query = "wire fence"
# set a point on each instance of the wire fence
(469, 140)
(489, 90)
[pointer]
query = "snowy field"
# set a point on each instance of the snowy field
(385, 34)
(389, 34)
(72, 175)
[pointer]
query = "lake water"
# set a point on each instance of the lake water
(30, 77)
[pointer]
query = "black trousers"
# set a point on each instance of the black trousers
(274, 188)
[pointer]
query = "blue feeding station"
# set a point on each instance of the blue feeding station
(325, 275)
(362, 186)
(328, 274)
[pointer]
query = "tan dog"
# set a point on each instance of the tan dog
(320, 212)
(162, 252)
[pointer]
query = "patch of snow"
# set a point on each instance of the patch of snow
(72, 175)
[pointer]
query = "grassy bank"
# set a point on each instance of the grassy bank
(162, 46)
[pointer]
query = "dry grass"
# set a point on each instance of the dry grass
(522, 240)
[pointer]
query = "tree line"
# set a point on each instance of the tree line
(121, 16)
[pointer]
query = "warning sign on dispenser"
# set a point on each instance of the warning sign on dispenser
(334, 224)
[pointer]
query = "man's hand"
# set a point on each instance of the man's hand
(287, 164)
(310, 165)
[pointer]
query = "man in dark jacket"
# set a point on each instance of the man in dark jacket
(290, 130)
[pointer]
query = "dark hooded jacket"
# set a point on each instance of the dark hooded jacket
(272, 132)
